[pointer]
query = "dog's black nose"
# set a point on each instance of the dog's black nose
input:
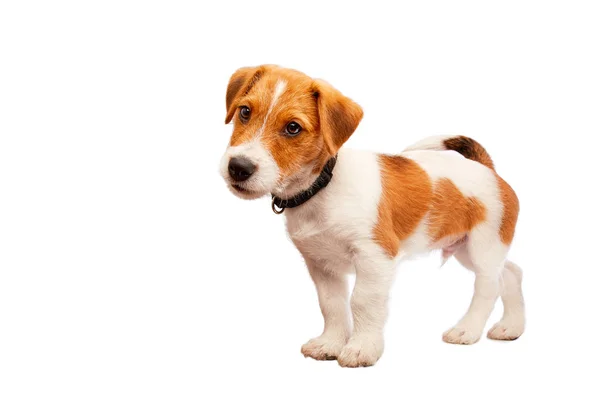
(240, 168)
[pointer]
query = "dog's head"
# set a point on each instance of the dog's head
(286, 126)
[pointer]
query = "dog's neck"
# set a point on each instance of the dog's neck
(318, 182)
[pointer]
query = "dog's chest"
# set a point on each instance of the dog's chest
(334, 225)
(322, 239)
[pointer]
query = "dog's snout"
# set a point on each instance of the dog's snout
(240, 168)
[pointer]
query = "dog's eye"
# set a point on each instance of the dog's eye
(244, 113)
(293, 128)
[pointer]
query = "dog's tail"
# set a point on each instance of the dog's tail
(466, 146)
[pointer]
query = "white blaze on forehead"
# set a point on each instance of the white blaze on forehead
(279, 89)
(265, 178)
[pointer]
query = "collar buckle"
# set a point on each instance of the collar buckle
(274, 207)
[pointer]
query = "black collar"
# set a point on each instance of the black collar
(278, 204)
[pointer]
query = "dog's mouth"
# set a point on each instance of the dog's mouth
(239, 188)
(243, 192)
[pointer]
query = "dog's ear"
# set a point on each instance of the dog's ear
(339, 116)
(240, 83)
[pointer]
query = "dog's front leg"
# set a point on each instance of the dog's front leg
(369, 311)
(332, 289)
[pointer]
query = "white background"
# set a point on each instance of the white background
(128, 270)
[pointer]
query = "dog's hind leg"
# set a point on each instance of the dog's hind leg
(485, 255)
(512, 324)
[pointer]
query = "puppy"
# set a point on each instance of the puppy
(359, 212)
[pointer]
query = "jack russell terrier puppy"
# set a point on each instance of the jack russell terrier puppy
(359, 212)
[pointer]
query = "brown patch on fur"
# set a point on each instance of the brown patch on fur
(452, 214)
(244, 78)
(511, 211)
(470, 149)
(338, 115)
(405, 199)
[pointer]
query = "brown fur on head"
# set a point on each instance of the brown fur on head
(275, 97)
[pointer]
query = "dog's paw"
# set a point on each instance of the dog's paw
(362, 351)
(323, 348)
(461, 335)
(506, 330)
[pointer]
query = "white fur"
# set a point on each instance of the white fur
(417, 243)
(266, 175)
(512, 324)
(279, 89)
(430, 143)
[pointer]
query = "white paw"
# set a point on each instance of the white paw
(323, 348)
(361, 351)
(506, 330)
(461, 335)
